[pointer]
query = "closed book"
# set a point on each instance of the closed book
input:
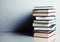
(43, 31)
(50, 39)
(52, 27)
(45, 18)
(44, 35)
(43, 10)
(42, 25)
(43, 13)
(44, 7)
(41, 21)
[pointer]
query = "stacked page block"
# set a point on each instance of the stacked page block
(44, 23)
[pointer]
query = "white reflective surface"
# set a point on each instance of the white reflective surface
(10, 37)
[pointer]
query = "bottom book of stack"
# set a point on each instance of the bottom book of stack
(50, 39)
(41, 34)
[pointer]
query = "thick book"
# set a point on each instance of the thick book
(44, 7)
(41, 21)
(52, 27)
(43, 10)
(43, 14)
(44, 35)
(45, 18)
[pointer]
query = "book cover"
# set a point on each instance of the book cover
(43, 14)
(46, 22)
(45, 18)
(52, 27)
(43, 10)
(44, 7)
(43, 25)
(44, 35)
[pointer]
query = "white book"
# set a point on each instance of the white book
(44, 7)
(35, 28)
(51, 39)
(45, 18)
(41, 21)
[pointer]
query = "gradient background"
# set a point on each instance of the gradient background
(16, 12)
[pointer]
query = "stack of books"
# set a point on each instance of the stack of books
(44, 23)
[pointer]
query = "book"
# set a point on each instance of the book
(42, 25)
(43, 31)
(44, 7)
(45, 18)
(44, 28)
(50, 39)
(41, 21)
(52, 27)
(43, 10)
(43, 14)
(44, 35)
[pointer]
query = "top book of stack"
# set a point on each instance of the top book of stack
(44, 11)
(45, 7)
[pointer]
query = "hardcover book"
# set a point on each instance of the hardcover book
(41, 21)
(43, 10)
(45, 18)
(52, 27)
(43, 31)
(44, 35)
(43, 14)
(42, 25)
(44, 7)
